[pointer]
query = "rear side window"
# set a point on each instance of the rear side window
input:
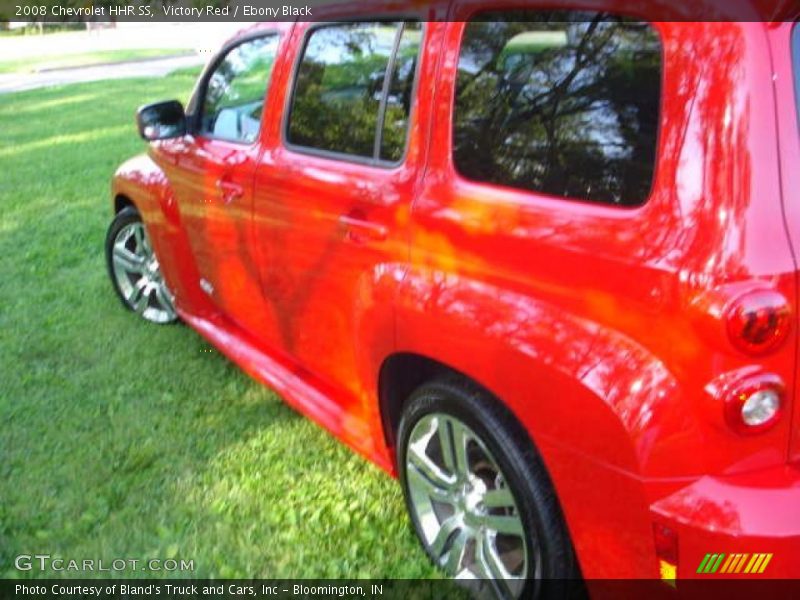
(352, 91)
(559, 102)
(398, 98)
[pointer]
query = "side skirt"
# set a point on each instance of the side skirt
(290, 384)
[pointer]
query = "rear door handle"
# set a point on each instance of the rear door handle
(359, 230)
(229, 191)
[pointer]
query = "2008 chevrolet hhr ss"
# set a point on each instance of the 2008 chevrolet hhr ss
(538, 264)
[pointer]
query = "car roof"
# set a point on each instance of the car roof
(654, 10)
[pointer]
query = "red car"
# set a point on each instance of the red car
(539, 264)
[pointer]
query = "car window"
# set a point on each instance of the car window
(560, 102)
(234, 97)
(340, 102)
(398, 100)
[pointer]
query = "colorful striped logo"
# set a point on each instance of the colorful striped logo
(734, 563)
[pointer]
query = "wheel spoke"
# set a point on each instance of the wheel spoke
(509, 525)
(460, 441)
(127, 260)
(491, 567)
(449, 525)
(499, 498)
(140, 296)
(141, 244)
(481, 561)
(455, 556)
(446, 442)
(162, 295)
(433, 488)
(490, 560)
(427, 469)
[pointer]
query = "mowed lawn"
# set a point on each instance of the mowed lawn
(121, 439)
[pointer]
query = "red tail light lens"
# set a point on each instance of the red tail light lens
(758, 321)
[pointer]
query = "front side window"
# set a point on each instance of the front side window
(234, 97)
(559, 102)
(341, 101)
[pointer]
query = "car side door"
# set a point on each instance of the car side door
(211, 173)
(332, 195)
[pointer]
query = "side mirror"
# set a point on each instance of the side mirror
(161, 121)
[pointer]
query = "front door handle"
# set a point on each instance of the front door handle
(360, 230)
(229, 191)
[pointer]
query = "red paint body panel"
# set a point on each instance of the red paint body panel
(786, 108)
(751, 513)
(599, 327)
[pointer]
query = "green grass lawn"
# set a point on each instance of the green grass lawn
(121, 439)
(87, 59)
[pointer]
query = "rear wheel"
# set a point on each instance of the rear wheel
(479, 497)
(135, 271)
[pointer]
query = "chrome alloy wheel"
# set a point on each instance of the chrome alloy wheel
(138, 275)
(466, 513)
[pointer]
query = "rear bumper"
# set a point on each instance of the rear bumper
(753, 514)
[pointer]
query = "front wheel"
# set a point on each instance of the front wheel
(479, 497)
(135, 271)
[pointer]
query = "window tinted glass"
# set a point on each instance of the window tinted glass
(235, 94)
(565, 103)
(398, 101)
(339, 88)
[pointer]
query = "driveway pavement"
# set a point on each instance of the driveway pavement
(202, 38)
(17, 82)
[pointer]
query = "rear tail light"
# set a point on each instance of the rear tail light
(758, 321)
(754, 404)
(666, 541)
(752, 400)
(761, 407)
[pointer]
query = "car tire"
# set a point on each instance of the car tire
(135, 271)
(487, 513)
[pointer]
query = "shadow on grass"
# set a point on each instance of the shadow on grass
(121, 439)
